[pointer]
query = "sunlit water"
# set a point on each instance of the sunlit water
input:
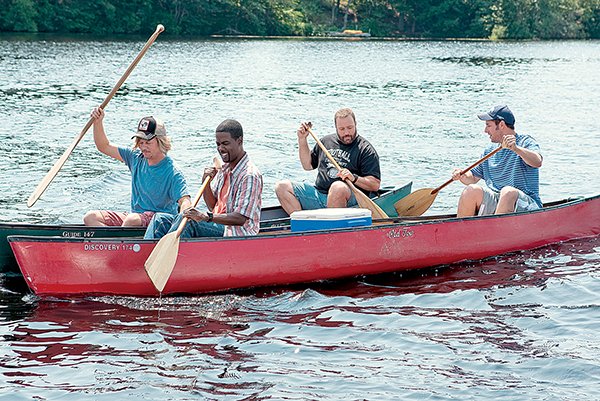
(521, 326)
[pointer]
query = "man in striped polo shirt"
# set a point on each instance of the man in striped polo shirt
(511, 175)
(234, 199)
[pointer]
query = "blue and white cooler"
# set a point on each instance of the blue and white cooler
(326, 219)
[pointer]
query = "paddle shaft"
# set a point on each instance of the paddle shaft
(477, 163)
(194, 203)
(61, 161)
(359, 195)
(331, 159)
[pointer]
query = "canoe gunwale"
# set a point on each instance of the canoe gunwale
(387, 192)
(274, 232)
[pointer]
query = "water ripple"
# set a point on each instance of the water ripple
(518, 326)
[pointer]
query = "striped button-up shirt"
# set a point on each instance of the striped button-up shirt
(506, 168)
(245, 195)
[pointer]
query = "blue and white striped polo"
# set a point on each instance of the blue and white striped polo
(506, 168)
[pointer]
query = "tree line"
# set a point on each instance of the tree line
(496, 19)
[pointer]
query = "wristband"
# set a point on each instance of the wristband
(355, 178)
(210, 216)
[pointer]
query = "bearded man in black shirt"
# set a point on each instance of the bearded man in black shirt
(355, 155)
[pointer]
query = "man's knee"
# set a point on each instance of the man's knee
(132, 219)
(282, 187)
(472, 192)
(507, 200)
(338, 195)
(93, 218)
(509, 193)
(338, 188)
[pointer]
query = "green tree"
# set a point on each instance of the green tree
(452, 18)
(591, 18)
(539, 19)
(502, 19)
(21, 16)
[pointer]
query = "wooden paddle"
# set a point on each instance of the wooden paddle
(39, 190)
(161, 261)
(419, 201)
(363, 200)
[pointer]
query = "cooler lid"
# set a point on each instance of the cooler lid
(331, 214)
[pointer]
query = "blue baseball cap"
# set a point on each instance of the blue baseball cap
(502, 113)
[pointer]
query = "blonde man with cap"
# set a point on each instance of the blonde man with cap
(157, 185)
(511, 175)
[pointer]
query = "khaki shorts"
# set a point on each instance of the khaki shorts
(524, 202)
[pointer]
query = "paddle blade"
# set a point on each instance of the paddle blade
(366, 203)
(161, 261)
(416, 203)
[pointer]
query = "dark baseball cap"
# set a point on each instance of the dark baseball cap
(149, 127)
(502, 113)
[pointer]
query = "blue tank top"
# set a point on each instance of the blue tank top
(153, 188)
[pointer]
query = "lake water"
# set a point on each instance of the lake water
(521, 326)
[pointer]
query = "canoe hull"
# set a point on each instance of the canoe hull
(7, 259)
(95, 266)
(273, 216)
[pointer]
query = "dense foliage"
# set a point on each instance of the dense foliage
(510, 19)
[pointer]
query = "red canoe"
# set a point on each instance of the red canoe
(69, 266)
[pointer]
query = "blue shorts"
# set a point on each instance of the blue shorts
(490, 202)
(310, 198)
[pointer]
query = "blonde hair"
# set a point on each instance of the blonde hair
(342, 113)
(164, 143)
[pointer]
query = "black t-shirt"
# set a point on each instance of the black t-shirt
(359, 157)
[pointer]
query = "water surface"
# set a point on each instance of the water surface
(521, 326)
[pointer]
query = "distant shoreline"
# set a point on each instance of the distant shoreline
(166, 37)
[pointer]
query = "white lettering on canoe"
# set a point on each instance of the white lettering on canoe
(400, 233)
(111, 247)
(78, 234)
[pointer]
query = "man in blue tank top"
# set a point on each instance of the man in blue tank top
(511, 175)
(157, 185)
